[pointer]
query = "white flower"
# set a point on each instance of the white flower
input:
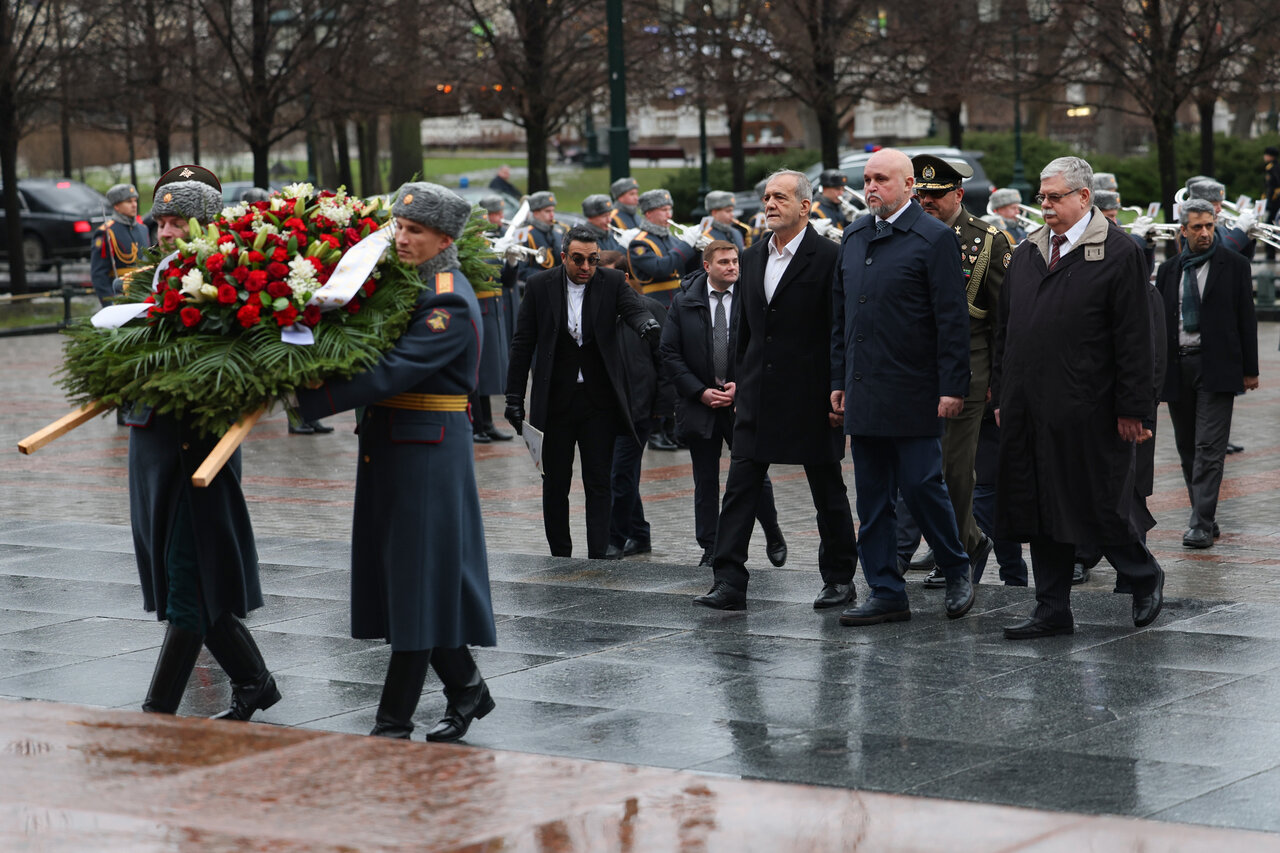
(277, 202)
(192, 282)
(302, 276)
(208, 292)
(235, 211)
(336, 210)
(299, 190)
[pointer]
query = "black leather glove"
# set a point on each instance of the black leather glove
(651, 332)
(515, 412)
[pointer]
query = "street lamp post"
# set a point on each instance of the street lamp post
(1038, 13)
(619, 135)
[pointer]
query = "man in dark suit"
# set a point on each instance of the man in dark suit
(1072, 381)
(1212, 347)
(783, 408)
(899, 365)
(697, 349)
(568, 317)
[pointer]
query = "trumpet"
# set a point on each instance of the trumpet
(514, 253)
(507, 242)
(827, 228)
(1263, 232)
(1028, 218)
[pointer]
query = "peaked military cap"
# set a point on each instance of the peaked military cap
(934, 174)
(433, 206)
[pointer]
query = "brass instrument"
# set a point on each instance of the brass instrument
(514, 253)
(1028, 218)
(506, 245)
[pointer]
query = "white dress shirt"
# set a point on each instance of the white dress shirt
(573, 308)
(779, 259)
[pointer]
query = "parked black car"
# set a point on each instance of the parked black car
(59, 217)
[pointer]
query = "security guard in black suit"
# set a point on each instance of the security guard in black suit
(119, 243)
(985, 253)
(828, 204)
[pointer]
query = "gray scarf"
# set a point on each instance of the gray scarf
(629, 208)
(728, 230)
(659, 230)
(127, 221)
(544, 227)
(446, 260)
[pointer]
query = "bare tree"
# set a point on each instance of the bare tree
(543, 61)
(1163, 51)
(29, 58)
(822, 52)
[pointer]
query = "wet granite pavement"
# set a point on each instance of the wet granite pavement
(1179, 722)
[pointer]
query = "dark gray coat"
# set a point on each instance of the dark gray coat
(687, 354)
(1073, 353)
(419, 571)
(163, 454)
(900, 326)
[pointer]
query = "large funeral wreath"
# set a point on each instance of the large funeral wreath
(207, 343)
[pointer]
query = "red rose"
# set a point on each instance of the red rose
(353, 306)
(247, 316)
(248, 236)
(151, 299)
(293, 223)
(287, 316)
(323, 277)
(190, 316)
(328, 194)
(227, 294)
(279, 255)
(240, 274)
(317, 263)
(369, 287)
(172, 299)
(256, 257)
(331, 239)
(311, 315)
(214, 263)
(253, 299)
(276, 289)
(218, 279)
(351, 236)
(257, 280)
(275, 269)
(225, 238)
(173, 271)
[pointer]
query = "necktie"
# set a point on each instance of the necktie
(1057, 240)
(882, 225)
(720, 340)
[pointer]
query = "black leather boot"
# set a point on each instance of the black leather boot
(252, 686)
(465, 690)
(178, 656)
(400, 693)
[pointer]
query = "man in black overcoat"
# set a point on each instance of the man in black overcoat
(784, 411)
(1072, 381)
(1211, 343)
(568, 319)
(899, 349)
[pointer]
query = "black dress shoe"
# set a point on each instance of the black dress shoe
(480, 438)
(835, 595)
(1216, 531)
(935, 579)
(320, 428)
(903, 567)
(496, 434)
(873, 611)
(980, 554)
(924, 562)
(1034, 628)
(1147, 607)
(959, 597)
(708, 558)
(303, 428)
(1079, 574)
(1234, 448)
(1196, 538)
(722, 597)
(613, 552)
(775, 547)
(631, 547)
(661, 442)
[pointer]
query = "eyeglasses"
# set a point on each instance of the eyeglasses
(1054, 198)
(585, 260)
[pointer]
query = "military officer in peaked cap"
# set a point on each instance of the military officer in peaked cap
(626, 201)
(984, 255)
(657, 257)
(830, 202)
(119, 243)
